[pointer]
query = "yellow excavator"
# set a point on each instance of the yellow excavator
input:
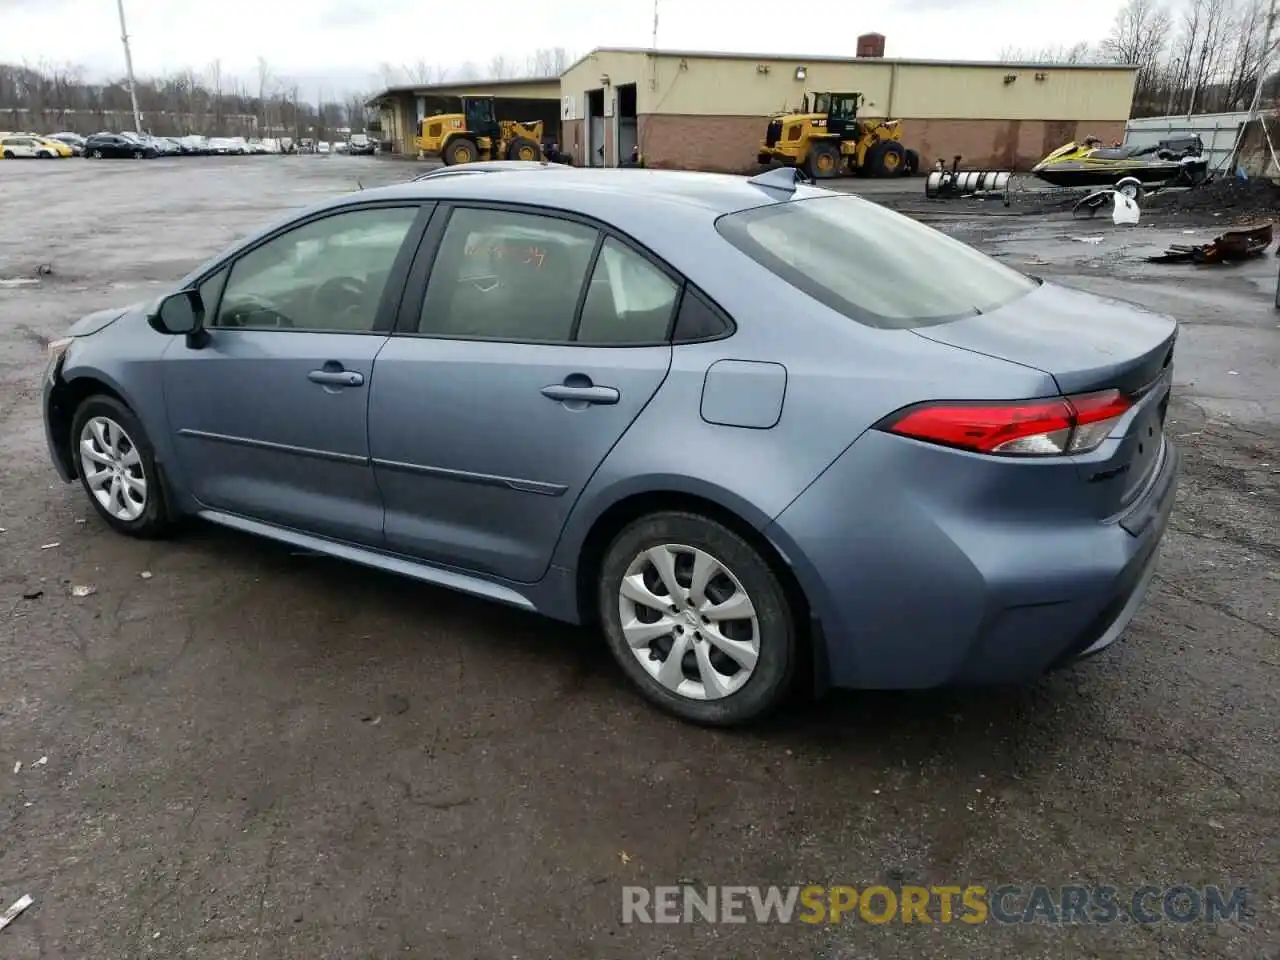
(828, 140)
(477, 134)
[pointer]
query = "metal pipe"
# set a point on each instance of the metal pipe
(128, 66)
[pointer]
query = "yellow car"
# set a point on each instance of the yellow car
(57, 146)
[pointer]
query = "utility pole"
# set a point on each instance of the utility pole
(128, 66)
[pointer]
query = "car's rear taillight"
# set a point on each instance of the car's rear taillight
(1026, 428)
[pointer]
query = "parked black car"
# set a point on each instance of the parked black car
(105, 145)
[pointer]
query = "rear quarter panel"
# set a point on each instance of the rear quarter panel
(841, 378)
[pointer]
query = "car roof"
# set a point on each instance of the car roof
(668, 211)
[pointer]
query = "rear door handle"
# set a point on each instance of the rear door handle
(336, 378)
(593, 394)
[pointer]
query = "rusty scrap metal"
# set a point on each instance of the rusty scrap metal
(1232, 246)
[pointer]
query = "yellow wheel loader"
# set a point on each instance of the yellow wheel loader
(829, 140)
(476, 134)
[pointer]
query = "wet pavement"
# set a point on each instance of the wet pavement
(258, 754)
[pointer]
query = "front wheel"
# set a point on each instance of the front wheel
(8, 154)
(117, 468)
(697, 619)
(95, 154)
(824, 161)
(137, 154)
(460, 150)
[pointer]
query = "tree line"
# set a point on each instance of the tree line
(46, 97)
(1193, 56)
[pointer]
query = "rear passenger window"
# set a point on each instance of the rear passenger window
(507, 276)
(629, 300)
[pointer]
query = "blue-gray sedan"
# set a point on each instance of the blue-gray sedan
(764, 434)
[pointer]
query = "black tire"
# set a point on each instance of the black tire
(137, 154)
(8, 154)
(912, 162)
(95, 154)
(154, 521)
(524, 145)
(887, 159)
(461, 150)
(824, 161)
(771, 681)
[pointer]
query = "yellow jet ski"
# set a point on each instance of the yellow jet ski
(1178, 160)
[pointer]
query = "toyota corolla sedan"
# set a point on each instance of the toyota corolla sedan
(764, 435)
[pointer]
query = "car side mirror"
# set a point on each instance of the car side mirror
(181, 314)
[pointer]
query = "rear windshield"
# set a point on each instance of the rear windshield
(871, 264)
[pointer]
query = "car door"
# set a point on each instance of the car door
(509, 381)
(271, 412)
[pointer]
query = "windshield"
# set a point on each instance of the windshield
(871, 264)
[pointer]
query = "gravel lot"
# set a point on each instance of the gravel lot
(256, 754)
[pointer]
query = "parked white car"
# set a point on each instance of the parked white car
(15, 148)
(322, 146)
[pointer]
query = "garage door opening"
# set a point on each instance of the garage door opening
(595, 129)
(628, 131)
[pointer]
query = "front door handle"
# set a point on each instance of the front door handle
(586, 394)
(336, 378)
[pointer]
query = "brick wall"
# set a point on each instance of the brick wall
(729, 144)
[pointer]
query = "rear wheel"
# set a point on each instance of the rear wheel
(522, 148)
(824, 161)
(137, 154)
(697, 619)
(887, 159)
(95, 154)
(117, 468)
(460, 150)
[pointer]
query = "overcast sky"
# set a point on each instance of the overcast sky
(347, 39)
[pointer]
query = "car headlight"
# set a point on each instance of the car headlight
(57, 350)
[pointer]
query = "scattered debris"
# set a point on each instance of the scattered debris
(624, 856)
(44, 270)
(41, 762)
(1088, 239)
(50, 546)
(11, 914)
(18, 282)
(372, 720)
(33, 595)
(83, 590)
(17, 767)
(1036, 261)
(1234, 245)
(1233, 373)
(145, 574)
(81, 520)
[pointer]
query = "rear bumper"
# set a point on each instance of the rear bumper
(915, 589)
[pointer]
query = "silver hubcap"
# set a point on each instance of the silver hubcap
(113, 468)
(689, 622)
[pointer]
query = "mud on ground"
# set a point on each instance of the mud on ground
(254, 754)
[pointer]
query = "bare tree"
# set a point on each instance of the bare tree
(1140, 37)
(467, 71)
(500, 68)
(1082, 52)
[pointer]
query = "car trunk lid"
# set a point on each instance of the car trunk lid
(1088, 344)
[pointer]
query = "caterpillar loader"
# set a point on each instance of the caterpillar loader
(476, 134)
(830, 140)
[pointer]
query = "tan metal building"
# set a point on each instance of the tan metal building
(708, 111)
(402, 109)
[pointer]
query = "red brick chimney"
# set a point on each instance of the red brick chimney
(871, 45)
